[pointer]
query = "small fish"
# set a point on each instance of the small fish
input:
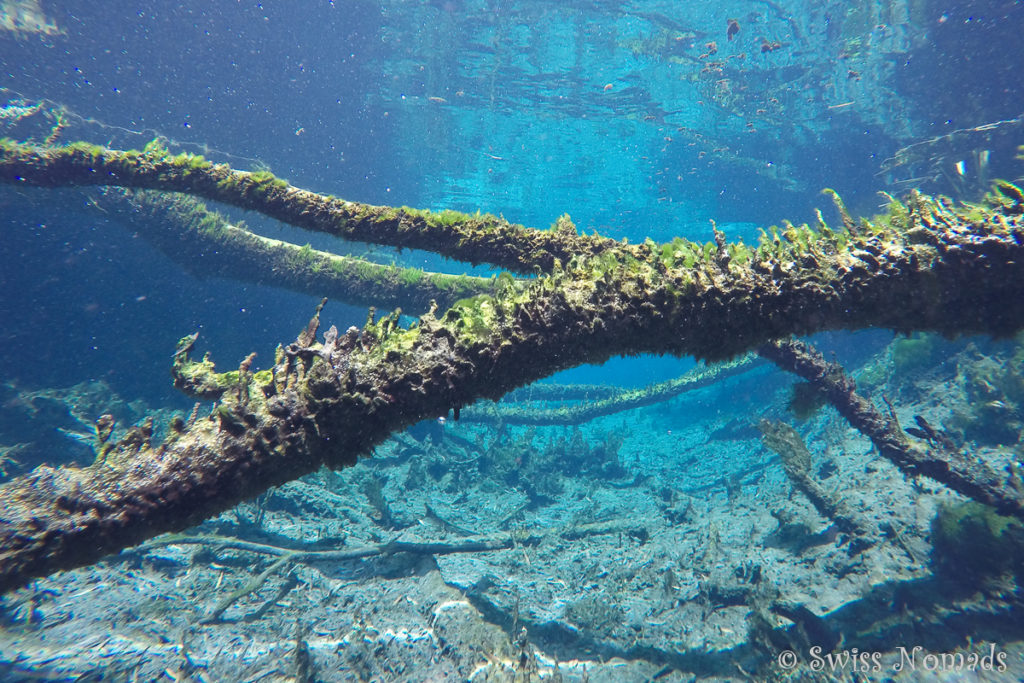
(81, 437)
(608, 87)
(983, 156)
(732, 28)
(441, 420)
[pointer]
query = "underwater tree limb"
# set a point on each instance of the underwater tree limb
(465, 237)
(927, 266)
(206, 244)
(475, 544)
(796, 461)
(624, 400)
(544, 391)
(965, 474)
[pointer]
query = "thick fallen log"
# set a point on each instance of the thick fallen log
(927, 266)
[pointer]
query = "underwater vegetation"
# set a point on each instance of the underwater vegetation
(331, 396)
(972, 542)
(597, 298)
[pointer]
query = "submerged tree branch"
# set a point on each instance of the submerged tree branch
(474, 544)
(964, 473)
(622, 401)
(328, 400)
(206, 244)
(466, 237)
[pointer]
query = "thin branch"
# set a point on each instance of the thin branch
(620, 402)
(287, 557)
(205, 243)
(963, 473)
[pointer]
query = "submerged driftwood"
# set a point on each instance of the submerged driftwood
(330, 398)
(204, 243)
(963, 472)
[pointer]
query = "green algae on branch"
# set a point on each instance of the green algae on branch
(329, 400)
(477, 238)
(621, 401)
(203, 242)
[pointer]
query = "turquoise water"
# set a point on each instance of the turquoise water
(641, 120)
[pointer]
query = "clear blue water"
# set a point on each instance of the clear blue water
(640, 119)
(611, 111)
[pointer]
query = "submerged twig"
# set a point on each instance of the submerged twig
(970, 476)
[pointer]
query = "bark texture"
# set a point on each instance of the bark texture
(329, 399)
(962, 472)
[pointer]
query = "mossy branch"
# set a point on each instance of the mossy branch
(961, 472)
(476, 238)
(205, 243)
(329, 400)
(620, 402)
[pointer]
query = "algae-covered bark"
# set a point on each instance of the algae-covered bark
(926, 267)
(466, 237)
(962, 472)
(203, 242)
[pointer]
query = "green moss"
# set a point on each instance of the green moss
(305, 253)
(449, 218)
(679, 253)
(94, 153)
(209, 224)
(263, 180)
(189, 162)
(156, 149)
(200, 379)
(898, 216)
(263, 377)
(410, 277)
(739, 253)
(228, 379)
(709, 251)
(473, 318)
(971, 541)
(563, 225)
(911, 355)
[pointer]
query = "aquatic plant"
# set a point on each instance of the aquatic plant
(972, 541)
(330, 398)
(993, 386)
